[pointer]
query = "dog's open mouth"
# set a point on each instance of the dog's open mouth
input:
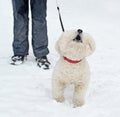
(77, 39)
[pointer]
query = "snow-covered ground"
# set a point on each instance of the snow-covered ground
(25, 90)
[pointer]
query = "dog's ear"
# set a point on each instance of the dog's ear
(90, 45)
(57, 46)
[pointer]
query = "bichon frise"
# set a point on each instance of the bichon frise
(72, 67)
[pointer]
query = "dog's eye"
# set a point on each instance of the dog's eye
(78, 39)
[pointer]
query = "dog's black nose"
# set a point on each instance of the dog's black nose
(78, 37)
(79, 31)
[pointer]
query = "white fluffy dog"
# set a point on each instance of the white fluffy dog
(72, 67)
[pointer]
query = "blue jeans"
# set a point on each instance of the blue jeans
(21, 27)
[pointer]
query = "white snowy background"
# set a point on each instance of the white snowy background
(25, 90)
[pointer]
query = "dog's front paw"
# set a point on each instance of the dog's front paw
(60, 99)
(78, 103)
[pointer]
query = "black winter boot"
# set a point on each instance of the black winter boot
(43, 62)
(17, 59)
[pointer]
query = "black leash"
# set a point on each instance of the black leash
(60, 16)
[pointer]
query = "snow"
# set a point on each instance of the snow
(25, 90)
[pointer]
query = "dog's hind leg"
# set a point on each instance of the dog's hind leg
(58, 90)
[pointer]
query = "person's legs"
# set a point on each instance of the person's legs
(39, 28)
(20, 11)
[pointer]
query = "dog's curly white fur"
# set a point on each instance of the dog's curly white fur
(78, 73)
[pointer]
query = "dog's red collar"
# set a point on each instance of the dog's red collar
(71, 61)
